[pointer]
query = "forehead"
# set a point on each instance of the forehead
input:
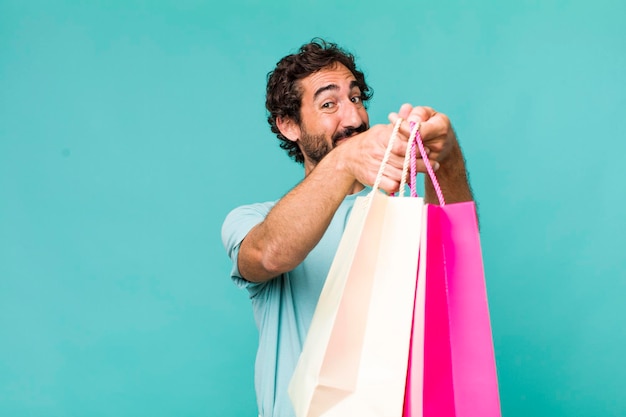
(337, 74)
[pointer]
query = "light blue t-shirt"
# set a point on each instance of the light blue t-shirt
(283, 307)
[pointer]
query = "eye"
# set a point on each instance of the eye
(356, 100)
(328, 105)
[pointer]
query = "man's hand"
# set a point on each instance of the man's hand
(443, 151)
(363, 153)
(362, 156)
(435, 129)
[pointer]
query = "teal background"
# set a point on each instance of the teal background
(128, 130)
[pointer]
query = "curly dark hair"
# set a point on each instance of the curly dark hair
(284, 95)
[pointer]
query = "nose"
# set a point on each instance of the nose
(351, 117)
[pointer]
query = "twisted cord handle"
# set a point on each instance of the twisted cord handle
(416, 138)
(413, 159)
(383, 164)
(409, 158)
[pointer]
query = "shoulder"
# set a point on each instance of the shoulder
(248, 213)
(240, 220)
(256, 209)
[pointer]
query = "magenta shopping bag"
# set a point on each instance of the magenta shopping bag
(452, 371)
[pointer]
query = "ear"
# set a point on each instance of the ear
(289, 128)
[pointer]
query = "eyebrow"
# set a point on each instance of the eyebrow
(328, 87)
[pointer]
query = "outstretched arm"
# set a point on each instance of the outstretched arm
(298, 221)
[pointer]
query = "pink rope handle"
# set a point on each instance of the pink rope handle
(413, 183)
(406, 173)
(417, 138)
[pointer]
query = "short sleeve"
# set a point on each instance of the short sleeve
(236, 226)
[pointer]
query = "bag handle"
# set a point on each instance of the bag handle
(416, 138)
(409, 158)
(383, 164)
(415, 141)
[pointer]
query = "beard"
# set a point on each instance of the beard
(316, 147)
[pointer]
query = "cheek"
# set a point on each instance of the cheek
(329, 125)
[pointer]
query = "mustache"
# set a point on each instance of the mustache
(350, 131)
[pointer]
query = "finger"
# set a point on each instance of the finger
(418, 154)
(436, 146)
(404, 112)
(398, 150)
(393, 171)
(418, 114)
(389, 185)
(421, 114)
(420, 166)
(438, 126)
(396, 161)
(400, 142)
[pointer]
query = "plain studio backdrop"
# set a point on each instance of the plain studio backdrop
(129, 129)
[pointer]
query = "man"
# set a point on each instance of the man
(282, 251)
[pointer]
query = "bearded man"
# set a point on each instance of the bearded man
(282, 251)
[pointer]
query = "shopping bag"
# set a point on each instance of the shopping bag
(354, 359)
(452, 371)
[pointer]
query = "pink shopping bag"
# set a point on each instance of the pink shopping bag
(452, 371)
